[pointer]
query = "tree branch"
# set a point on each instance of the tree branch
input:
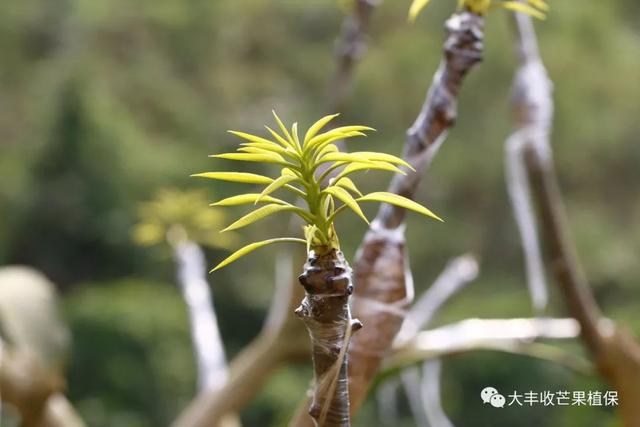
(384, 283)
(424, 390)
(615, 351)
(510, 335)
(205, 334)
(34, 392)
(282, 338)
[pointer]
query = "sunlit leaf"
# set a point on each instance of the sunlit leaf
(271, 147)
(317, 126)
(397, 200)
(416, 8)
(346, 198)
(252, 247)
(279, 138)
(337, 132)
(259, 214)
(384, 157)
(343, 157)
(521, 7)
(356, 167)
(294, 133)
(278, 183)
(347, 184)
(244, 199)
(250, 137)
(283, 128)
(242, 177)
(539, 4)
(252, 157)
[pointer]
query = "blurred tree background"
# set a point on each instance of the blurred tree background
(102, 103)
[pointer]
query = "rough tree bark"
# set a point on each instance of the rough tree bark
(615, 351)
(384, 283)
(326, 313)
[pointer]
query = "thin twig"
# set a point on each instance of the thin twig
(431, 375)
(457, 274)
(205, 334)
(511, 335)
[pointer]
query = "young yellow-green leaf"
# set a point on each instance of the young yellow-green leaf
(258, 214)
(250, 137)
(294, 133)
(280, 139)
(243, 177)
(346, 198)
(329, 148)
(320, 146)
(283, 128)
(383, 157)
(539, 4)
(416, 8)
(339, 132)
(272, 147)
(244, 199)
(252, 247)
(520, 7)
(347, 184)
(278, 183)
(356, 167)
(317, 126)
(343, 157)
(395, 199)
(252, 157)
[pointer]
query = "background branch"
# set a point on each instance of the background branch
(34, 392)
(616, 352)
(205, 334)
(510, 335)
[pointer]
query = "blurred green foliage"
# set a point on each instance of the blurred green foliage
(104, 102)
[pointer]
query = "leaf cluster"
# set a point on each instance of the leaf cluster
(535, 8)
(307, 162)
(173, 215)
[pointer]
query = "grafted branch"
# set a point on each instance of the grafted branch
(283, 337)
(326, 313)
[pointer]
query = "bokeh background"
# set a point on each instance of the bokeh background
(105, 102)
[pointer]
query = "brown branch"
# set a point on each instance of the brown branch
(381, 268)
(350, 46)
(326, 314)
(614, 349)
(34, 392)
